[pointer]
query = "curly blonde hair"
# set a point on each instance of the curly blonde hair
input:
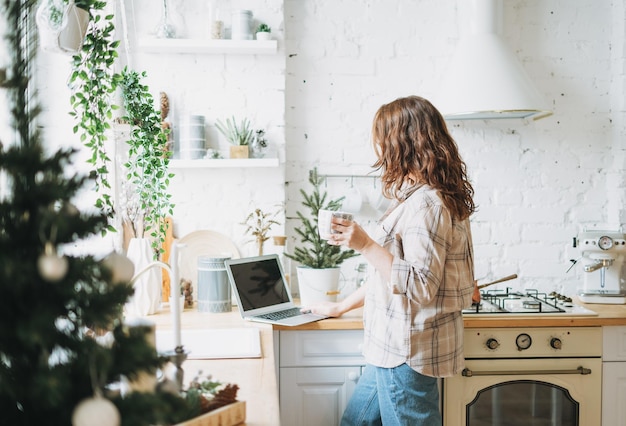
(411, 140)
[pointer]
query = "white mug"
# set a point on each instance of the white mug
(324, 218)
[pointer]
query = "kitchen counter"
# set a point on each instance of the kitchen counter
(607, 315)
(256, 377)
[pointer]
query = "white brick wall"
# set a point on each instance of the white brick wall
(535, 183)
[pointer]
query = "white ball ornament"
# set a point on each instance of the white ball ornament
(96, 411)
(50, 265)
(121, 267)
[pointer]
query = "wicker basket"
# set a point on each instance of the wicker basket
(229, 415)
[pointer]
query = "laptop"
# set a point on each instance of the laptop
(262, 294)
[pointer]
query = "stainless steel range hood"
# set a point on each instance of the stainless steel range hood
(484, 79)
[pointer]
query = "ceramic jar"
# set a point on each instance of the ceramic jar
(241, 25)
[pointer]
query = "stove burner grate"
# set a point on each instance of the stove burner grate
(530, 301)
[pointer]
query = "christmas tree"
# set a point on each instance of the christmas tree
(63, 341)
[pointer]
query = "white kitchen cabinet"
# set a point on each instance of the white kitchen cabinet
(318, 371)
(614, 376)
(315, 396)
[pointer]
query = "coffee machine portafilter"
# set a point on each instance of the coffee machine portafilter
(603, 259)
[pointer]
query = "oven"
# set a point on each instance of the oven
(527, 376)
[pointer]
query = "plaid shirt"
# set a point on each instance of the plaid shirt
(416, 317)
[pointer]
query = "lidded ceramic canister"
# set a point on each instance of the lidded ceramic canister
(241, 26)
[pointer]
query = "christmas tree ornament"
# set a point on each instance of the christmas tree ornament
(96, 411)
(122, 268)
(145, 381)
(50, 265)
(70, 210)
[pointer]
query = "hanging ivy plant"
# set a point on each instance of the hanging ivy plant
(93, 82)
(148, 160)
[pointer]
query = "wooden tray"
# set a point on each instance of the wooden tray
(229, 415)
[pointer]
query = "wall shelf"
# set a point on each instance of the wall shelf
(189, 45)
(224, 163)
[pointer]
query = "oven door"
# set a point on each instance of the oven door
(528, 392)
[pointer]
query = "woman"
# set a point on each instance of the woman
(423, 269)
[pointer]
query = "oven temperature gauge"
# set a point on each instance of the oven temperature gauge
(523, 341)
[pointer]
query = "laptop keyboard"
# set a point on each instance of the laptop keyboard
(287, 313)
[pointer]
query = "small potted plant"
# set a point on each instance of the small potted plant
(258, 225)
(239, 135)
(318, 273)
(63, 24)
(263, 32)
(258, 145)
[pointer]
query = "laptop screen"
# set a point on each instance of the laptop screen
(259, 283)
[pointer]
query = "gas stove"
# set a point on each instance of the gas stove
(528, 302)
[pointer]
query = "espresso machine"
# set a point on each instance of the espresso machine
(602, 257)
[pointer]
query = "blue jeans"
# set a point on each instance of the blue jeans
(397, 396)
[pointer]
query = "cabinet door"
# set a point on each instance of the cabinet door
(613, 393)
(614, 343)
(315, 396)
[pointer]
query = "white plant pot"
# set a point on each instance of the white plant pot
(147, 297)
(318, 285)
(69, 36)
(263, 36)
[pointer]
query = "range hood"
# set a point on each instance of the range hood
(484, 79)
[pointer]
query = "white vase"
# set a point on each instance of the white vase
(147, 285)
(318, 285)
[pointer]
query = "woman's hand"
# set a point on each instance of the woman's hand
(336, 309)
(329, 309)
(351, 235)
(348, 233)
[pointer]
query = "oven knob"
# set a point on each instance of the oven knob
(492, 343)
(555, 343)
(523, 342)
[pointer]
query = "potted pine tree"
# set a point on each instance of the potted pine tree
(318, 272)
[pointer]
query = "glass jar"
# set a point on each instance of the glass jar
(165, 29)
(216, 25)
(361, 275)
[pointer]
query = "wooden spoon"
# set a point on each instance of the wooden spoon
(476, 293)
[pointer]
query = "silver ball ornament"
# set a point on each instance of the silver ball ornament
(96, 411)
(50, 265)
(121, 267)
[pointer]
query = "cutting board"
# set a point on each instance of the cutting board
(165, 257)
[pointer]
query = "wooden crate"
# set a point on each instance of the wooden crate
(229, 415)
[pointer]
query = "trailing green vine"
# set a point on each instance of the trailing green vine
(93, 82)
(148, 161)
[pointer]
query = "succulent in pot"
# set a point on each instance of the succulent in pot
(263, 32)
(238, 134)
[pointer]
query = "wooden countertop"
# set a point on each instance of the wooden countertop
(256, 377)
(607, 315)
